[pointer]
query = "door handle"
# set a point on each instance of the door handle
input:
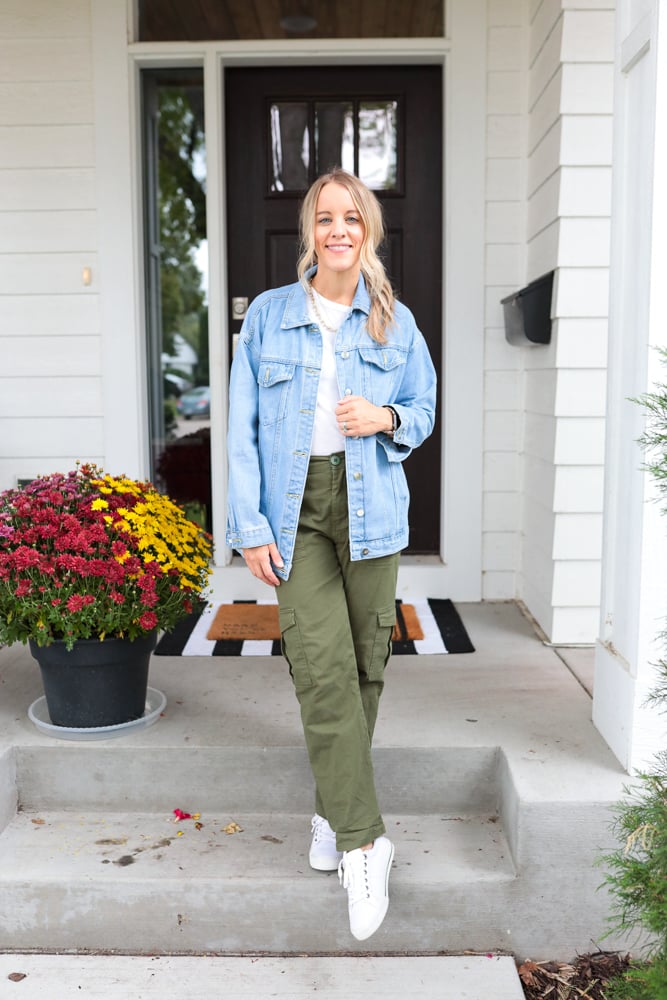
(239, 306)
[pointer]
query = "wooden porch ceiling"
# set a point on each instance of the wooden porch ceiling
(206, 20)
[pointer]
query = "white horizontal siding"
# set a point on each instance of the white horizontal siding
(35, 189)
(540, 391)
(574, 625)
(39, 356)
(578, 536)
(65, 396)
(578, 489)
(581, 342)
(48, 232)
(40, 315)
(45, 273)
(505, 93)
(504, 269)
(502, 433)
(38, 59)
(52, 19)
(64, 102)
(579, 441)
(32, 146)
(538, 481)
(51, 409)
(54, 436)
(581, 393)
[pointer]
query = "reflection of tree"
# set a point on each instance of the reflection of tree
(182, 205)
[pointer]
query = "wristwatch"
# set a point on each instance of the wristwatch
(395, 419)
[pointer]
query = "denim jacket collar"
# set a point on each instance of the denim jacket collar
(296, 311)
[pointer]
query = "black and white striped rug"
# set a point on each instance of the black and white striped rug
(441, 625)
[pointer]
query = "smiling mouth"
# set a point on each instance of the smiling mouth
(338, 247)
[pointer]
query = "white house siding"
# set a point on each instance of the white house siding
(568, 187)
(50, 347)
(505, 265)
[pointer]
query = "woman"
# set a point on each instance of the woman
(331, 388)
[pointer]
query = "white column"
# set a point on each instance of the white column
(634, 598)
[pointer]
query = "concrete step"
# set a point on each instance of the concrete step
(250, 778)
(140, 882)
(243, 978)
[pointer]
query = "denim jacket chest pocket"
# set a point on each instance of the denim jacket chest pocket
(383, 368)
(275, 379)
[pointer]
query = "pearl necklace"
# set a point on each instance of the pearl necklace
(320, 318)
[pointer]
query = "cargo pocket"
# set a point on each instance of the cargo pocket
(385, 620)
(291, 645)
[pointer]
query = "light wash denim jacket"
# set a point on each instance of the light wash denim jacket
(273, 391)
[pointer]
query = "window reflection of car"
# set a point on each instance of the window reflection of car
(195, 402)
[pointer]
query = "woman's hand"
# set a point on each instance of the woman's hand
(258, 560)
(358, 418)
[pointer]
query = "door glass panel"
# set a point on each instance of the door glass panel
(334, 136)
(359, 136)
(378, 144)
(176, 280)
(290, 146)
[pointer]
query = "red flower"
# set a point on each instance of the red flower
(24, 588)
(148, 621)
(75, 602)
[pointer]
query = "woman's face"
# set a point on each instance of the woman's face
(339, 231)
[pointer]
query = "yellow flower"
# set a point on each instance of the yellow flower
(99, 504)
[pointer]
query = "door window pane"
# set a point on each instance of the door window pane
(334, 136)
(176, 280)
(378, 145)
(360, 136)
(290, 146)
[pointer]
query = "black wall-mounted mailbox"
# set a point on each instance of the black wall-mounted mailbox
(528, 312)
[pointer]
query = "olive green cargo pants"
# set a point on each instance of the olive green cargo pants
(336, 619)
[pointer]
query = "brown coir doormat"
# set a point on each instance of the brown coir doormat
(260, 621)
(426, 625)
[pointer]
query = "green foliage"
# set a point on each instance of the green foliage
(182, 207)
(637, 874)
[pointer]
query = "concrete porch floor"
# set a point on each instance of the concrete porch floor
(495, 784)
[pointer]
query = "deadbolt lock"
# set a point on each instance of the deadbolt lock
(239, 306)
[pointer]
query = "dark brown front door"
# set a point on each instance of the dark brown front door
(284, 127)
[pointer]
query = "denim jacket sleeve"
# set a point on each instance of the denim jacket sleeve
(247, 526)
(415, 397)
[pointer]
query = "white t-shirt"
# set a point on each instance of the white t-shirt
(327, 438)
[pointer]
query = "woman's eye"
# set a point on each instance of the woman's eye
(324, 221)
(352, 219)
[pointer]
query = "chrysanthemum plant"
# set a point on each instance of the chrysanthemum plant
(86, 555)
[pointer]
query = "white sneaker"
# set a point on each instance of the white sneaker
(323, 854)
(365, 875)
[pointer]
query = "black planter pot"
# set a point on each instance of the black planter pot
(97, 683)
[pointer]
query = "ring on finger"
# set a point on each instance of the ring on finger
(344, 427)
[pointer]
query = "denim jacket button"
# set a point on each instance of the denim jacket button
(345, 354)
(348, 392)
(364, 552)
(357, 475)
(360, 512)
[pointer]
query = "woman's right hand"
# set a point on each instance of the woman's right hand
(258, 560)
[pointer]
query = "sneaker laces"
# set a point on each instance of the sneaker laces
(321, 830)
(353, 876)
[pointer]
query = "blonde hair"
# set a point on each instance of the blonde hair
(377, 284)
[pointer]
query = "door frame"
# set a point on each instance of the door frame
(457, 573)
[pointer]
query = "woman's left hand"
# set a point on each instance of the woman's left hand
(358, 418)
